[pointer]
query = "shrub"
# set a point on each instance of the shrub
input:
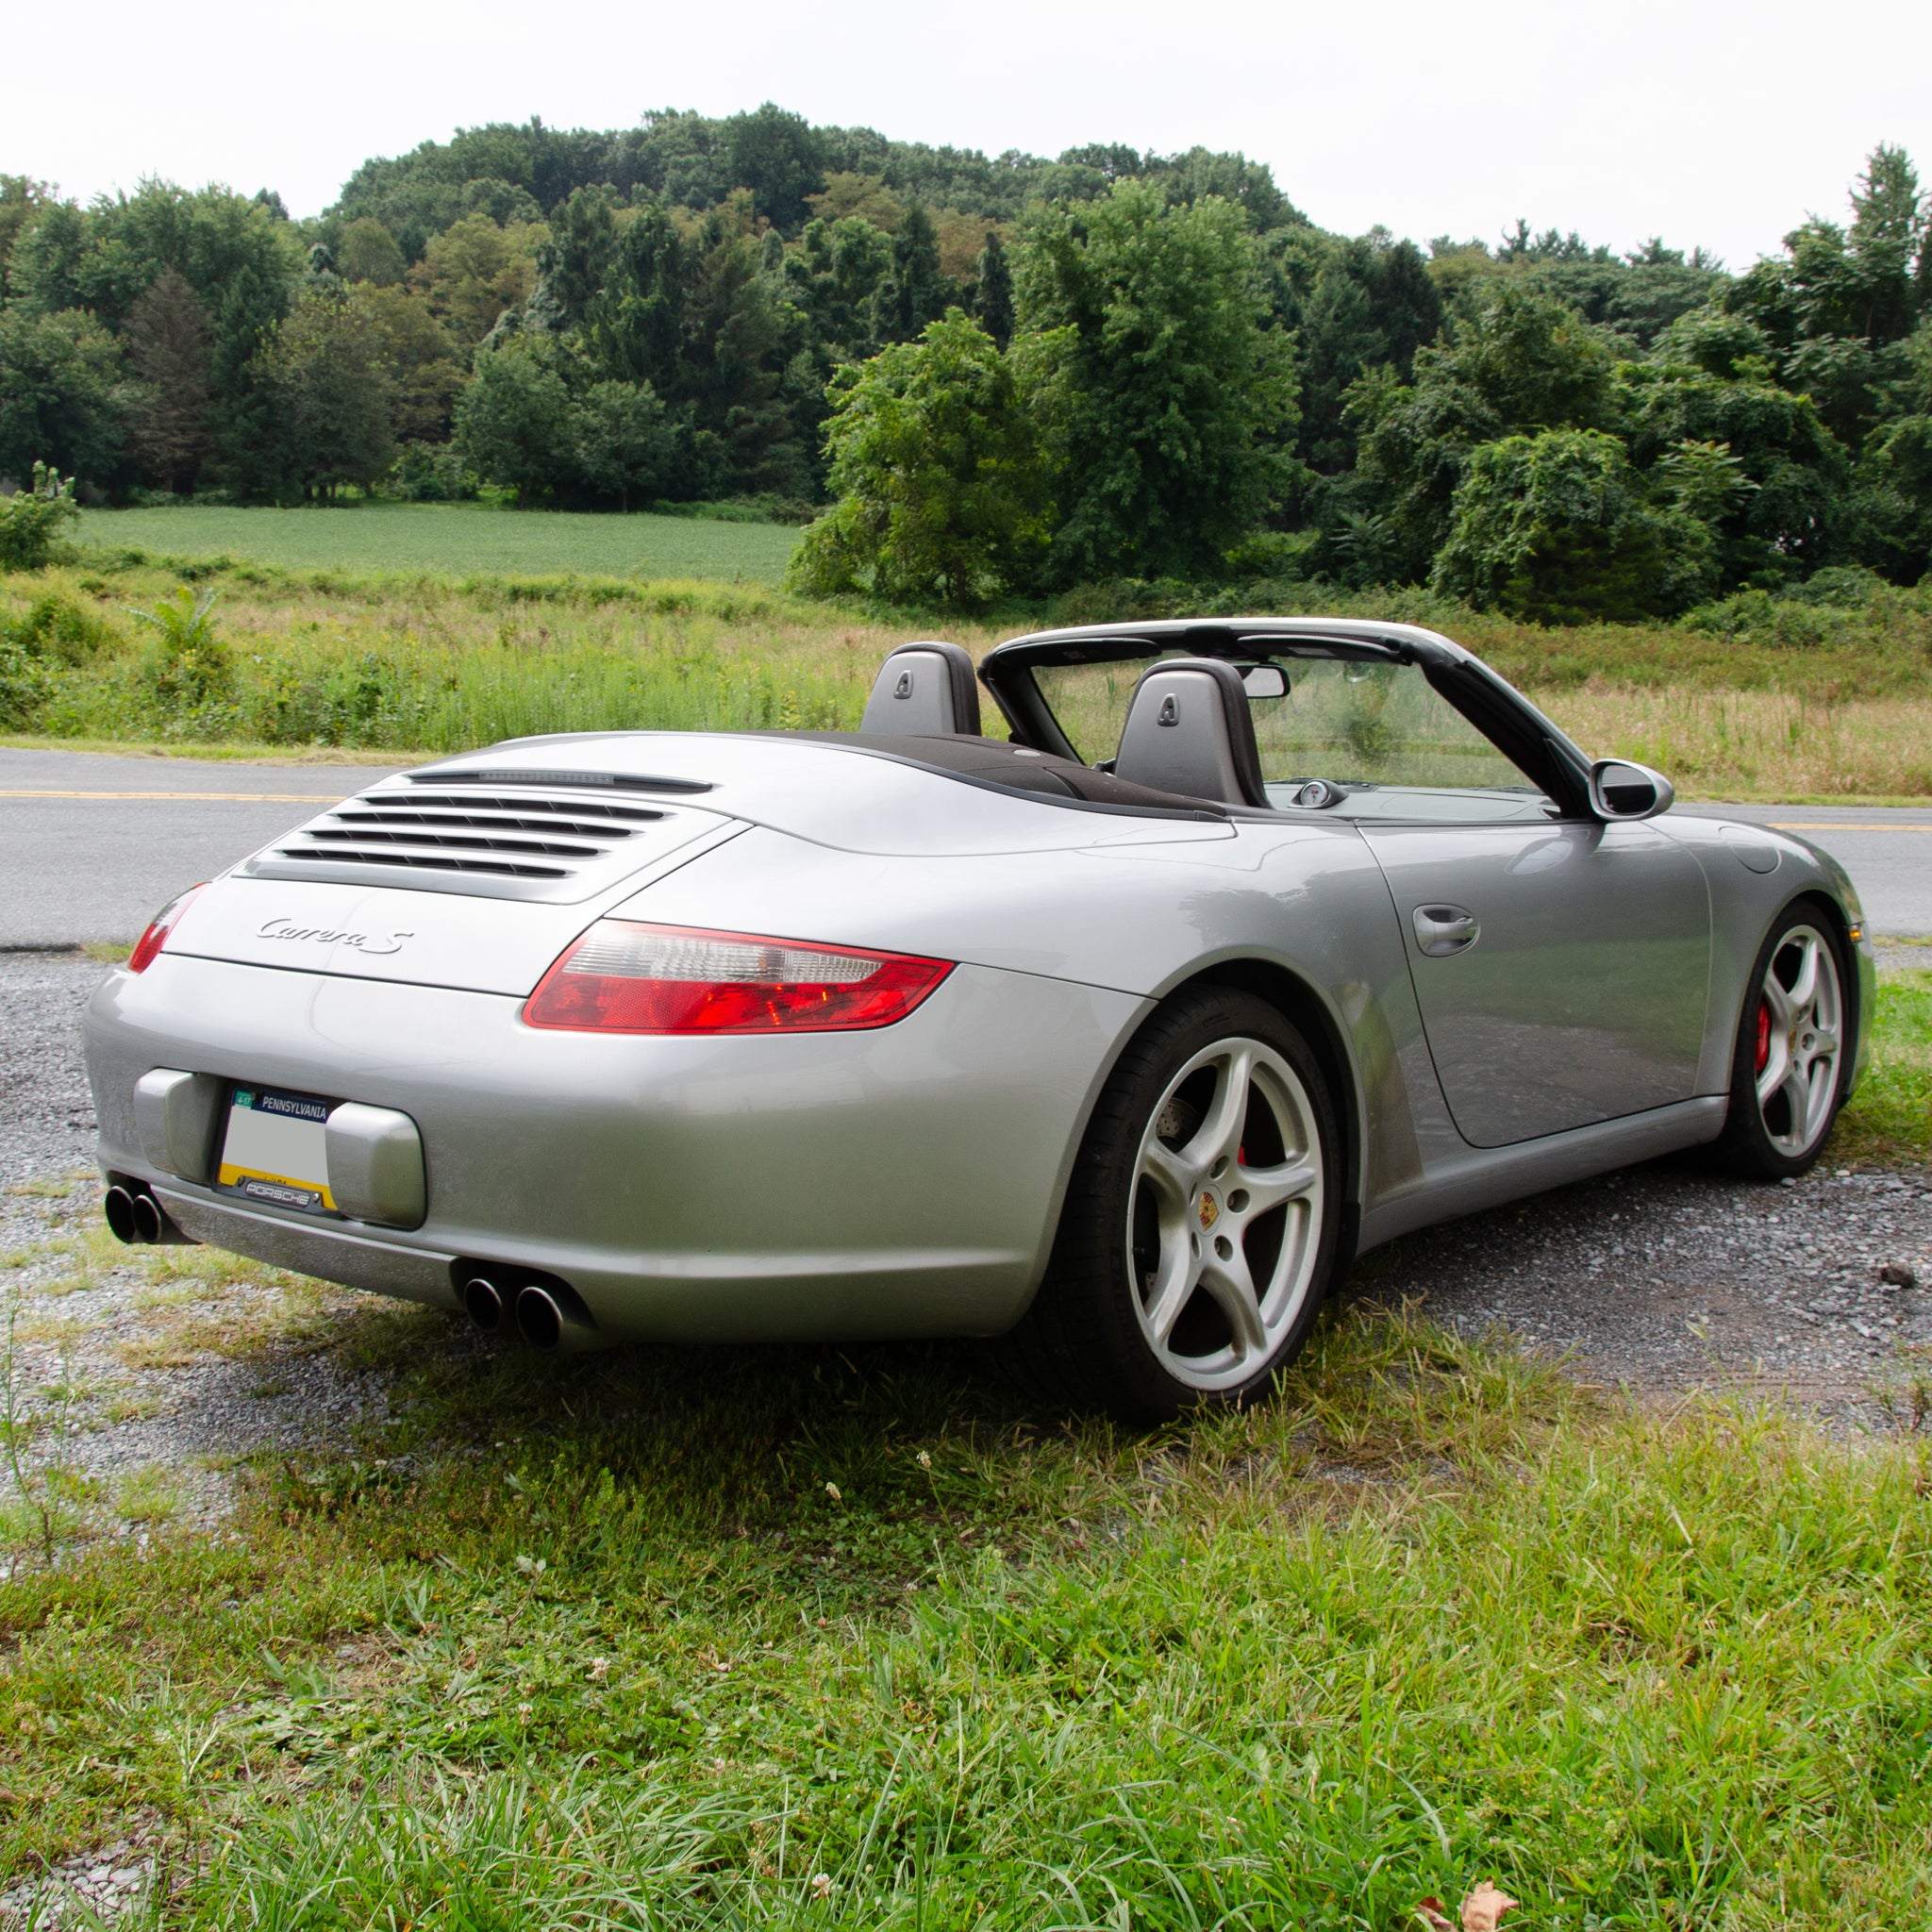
(1556, 527)
(430, 473)
(32, 519)
(187, 672)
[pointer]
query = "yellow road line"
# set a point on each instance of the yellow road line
(314, 798)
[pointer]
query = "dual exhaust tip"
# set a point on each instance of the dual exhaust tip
(135, 1216)
(548, 1316)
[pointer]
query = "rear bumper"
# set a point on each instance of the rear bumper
(902, 1182)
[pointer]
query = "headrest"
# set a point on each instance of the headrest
(1188, 730)
(925, 689)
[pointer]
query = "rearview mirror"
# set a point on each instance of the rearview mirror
(1619, 790)
(1265, 681)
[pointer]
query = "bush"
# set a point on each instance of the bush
(1556, 527)
(32, 519)
(188, 673)
(430, 473)
(51, 636)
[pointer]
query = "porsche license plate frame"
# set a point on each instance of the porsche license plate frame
(274, 1149)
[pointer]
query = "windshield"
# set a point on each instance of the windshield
(1349, 721)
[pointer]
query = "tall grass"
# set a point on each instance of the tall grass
(420, 662)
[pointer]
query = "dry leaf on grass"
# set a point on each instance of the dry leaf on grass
(1483, 1910)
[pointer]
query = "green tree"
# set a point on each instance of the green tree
(423, 364)
(167, 343)
(1793, 468)
(992, 299)
(936, 467)
(476, 269)
(366, 251)
(1520, 363)
(332, 394)
(781, 157)
(1143, 331)
(20, 199)
(834, 276)
(914, 292)
(58, 402)
(513, 422)
(625, 446)
(1559, 528)
(246, 448)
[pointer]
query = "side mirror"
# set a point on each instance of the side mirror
(1265, 681)
(1619, 790)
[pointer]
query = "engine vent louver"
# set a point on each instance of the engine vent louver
(574, 781)
(505, 833)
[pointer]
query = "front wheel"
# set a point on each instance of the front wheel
(1199, 1230)
(1792, 1051)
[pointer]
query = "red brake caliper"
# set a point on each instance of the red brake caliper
(1763, 1034)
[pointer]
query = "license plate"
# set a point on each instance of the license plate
(276, 1149)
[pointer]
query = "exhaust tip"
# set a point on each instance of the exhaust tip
(539, 1321)
(484, 1301)
(119, 1208)
(150, 1223)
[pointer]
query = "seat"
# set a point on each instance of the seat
(924, 689)
(1188, 730)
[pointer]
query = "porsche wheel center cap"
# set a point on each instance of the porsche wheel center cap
(1209, 1208)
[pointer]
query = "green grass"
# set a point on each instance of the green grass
(809, 1636)
(455, 539)
(1891, 1116)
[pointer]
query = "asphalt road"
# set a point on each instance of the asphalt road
(91, 845)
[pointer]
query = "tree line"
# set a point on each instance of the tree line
(992, 376)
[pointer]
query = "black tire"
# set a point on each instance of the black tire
(1121, 1255)
(1764, 1139)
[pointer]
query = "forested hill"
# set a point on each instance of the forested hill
(1166, 368)
(781, 160)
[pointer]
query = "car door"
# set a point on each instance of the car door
(1562, 967)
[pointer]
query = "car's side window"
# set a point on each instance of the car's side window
(1377, 729)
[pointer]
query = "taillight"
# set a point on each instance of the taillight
(159, 926)
(626, 977)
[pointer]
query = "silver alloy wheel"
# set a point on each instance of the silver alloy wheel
(1224, 1217)
(1800, 1027)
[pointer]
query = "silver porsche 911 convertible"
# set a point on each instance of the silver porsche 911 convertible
(1251, 944)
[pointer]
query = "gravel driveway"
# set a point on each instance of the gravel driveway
(1659, 1278)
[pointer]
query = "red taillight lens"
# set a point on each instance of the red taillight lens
(626, 977)
(155, 937)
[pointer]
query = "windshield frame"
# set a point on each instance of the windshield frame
(1543, 753)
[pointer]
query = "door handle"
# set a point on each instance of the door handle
(1442, 930)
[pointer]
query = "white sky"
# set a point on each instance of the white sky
(1703, 121)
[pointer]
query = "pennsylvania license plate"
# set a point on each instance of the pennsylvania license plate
(275, 1150)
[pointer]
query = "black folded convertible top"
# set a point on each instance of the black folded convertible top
(1014, 768)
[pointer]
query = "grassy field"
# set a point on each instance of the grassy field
(733, 1638)
(428, 661)
(455, 539)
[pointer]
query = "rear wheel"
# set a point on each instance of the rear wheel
(1792, 1050)
(1199, 1230)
